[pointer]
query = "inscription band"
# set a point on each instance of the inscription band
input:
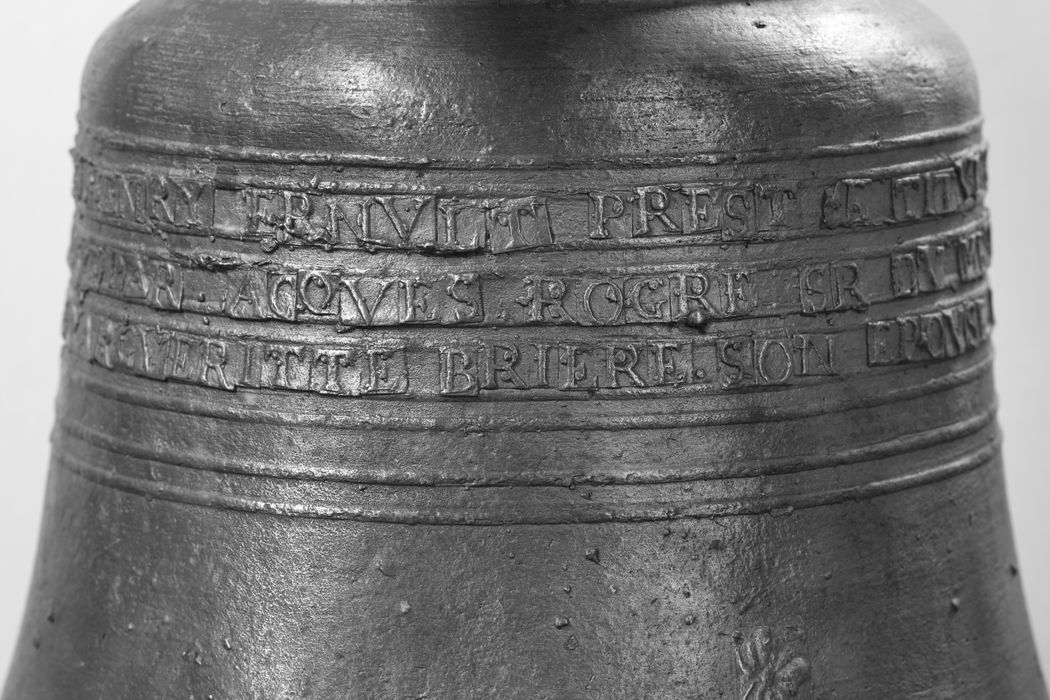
(543, 365)
(692, 294)
(711, 212)
(332, 413)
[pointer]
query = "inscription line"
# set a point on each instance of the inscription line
(184, 400)
(516, 296)
(581, 242)
(716, 211)
(231, 356)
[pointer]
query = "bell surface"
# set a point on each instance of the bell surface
(468, 349)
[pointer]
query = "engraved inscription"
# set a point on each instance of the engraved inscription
(390, 222)
(146, 198)
(907, 198)
(744, 211)
(831, 287)
(750, 361)
(129, 276)
(691, 296)
(936, 335)
(942, 264)
(437, 223)
(248, 292)
(681, 294)
(349, 369)
(502, 225)
(509, 363)
(329, 215)
(467, 370)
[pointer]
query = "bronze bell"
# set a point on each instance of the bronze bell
(621, 349)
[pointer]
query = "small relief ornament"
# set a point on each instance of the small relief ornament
(768, 670)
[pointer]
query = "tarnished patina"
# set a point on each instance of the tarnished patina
(471, 349)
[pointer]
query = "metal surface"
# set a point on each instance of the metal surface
(527, 350)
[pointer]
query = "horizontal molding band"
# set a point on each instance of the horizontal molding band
(540, 182)
(526, 505)
(352, 468)
(109, 138)
(192, 248)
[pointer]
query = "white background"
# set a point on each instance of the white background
(45, 45)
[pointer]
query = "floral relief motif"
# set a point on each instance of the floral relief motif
(768, 670)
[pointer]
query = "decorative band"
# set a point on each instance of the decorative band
(495, 292)
(440, 219)
(508, 414)
(528, 505)
(544, 363)
(345, 461)
(108, 138)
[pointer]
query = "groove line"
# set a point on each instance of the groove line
(136, 391)
(774, 466)
(555, 513)
(123, 141)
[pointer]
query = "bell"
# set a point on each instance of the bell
(471, 349)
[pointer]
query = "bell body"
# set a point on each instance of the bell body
(627, 349)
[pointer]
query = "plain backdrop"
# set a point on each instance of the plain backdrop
(46, 43)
